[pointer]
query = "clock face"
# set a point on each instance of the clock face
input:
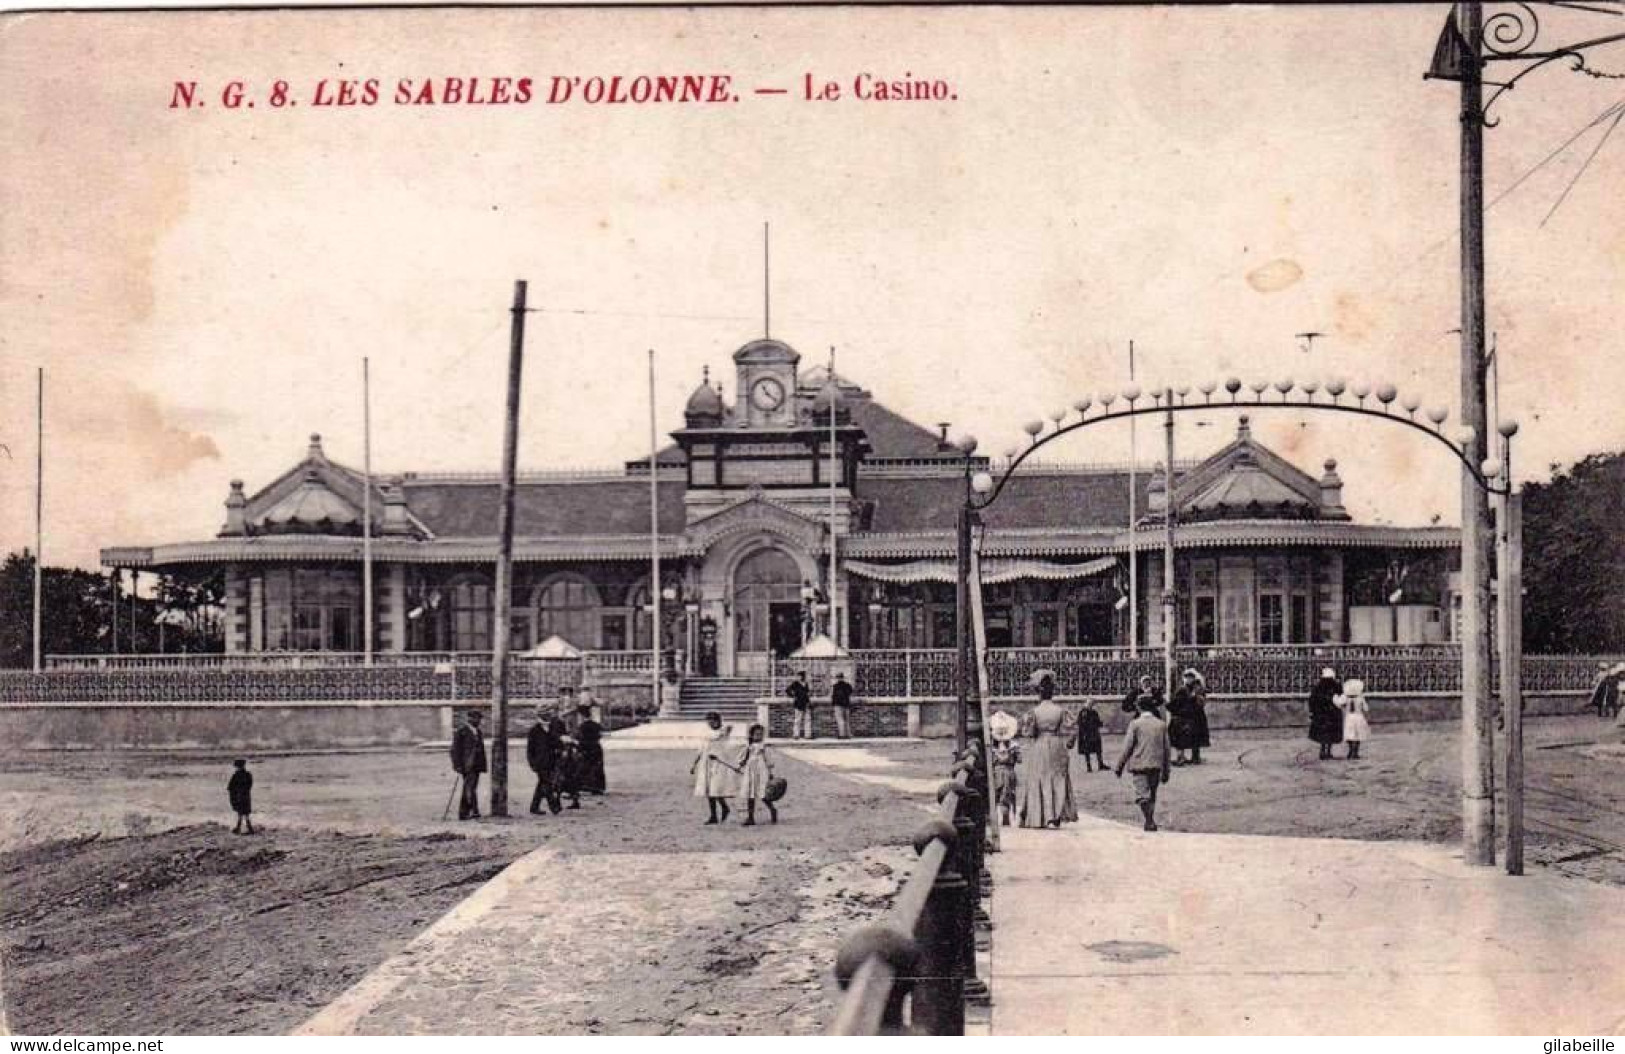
(767, 394)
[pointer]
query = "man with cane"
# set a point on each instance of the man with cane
(468, 759)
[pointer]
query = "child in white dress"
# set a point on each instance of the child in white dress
(756, 769)
(1355, 726)
(715, 770)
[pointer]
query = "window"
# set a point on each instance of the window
(1271, 628)
(1000, 627)
(1300, 619)
(471, 616)
(311, 610)
(1207, 620)
(568, 608)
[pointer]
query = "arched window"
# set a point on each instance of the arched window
(470, 614)
(567, 607)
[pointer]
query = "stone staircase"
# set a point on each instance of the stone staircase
(732, 697)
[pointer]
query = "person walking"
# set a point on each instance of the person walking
(840, 698)
(468, 760)
(542, 749)
(716, 770)
(1145, 755)
(756, 772)
(1089, 745)
(1325, 719)
(1356, 728)
(801, 702)
(590, 751)
(240, 793)
(1045, 792)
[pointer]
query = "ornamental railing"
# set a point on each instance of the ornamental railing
(1386, 670)
(450, 683)
(595, 661)
(914, 971)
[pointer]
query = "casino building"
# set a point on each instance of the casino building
(1266, 554)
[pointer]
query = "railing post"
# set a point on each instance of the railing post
(908, 674)
(938, 1005)
(891, 948)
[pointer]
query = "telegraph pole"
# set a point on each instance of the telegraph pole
(1170, 611)
(502, 632)
(1477, 739)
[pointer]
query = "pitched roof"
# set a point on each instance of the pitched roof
(1031, 499)
(891, 435)
(543, 509)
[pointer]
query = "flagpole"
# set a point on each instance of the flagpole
(834, 472)
(1133, 517)
(366, 509)
(39, 513)
(654, 543)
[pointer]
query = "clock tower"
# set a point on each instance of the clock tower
(766, 371)
(775, 438)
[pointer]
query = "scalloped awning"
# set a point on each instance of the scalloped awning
(993, 571)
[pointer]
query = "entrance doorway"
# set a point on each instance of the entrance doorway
(766, 610)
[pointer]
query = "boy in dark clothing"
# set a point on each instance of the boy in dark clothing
(1089, 745)
(240, 792)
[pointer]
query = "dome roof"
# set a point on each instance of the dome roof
(705, 402)
(310, 508)
(766, 351)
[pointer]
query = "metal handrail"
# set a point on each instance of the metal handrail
(923, 952)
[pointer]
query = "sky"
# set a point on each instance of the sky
(201, 285)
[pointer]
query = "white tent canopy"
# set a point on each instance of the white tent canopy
(820, 647)
(554, 647)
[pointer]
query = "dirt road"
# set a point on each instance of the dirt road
(146, 916)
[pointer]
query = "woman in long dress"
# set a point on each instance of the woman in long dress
(1187, 719)
(1325, 719)
(716, 769)
(1045, 788)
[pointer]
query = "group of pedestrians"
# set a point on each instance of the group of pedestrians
(726, 768)
(801, 706)
(564, 748)
(1338, 713)
(1605, 693)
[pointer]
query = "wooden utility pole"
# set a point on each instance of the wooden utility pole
(1477, 727)
(1510, 613)
(1170, 611)
(502, 630)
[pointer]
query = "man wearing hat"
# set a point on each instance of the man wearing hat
(1145, 755)
(468, 759)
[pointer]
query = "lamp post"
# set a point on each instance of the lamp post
(983, 488)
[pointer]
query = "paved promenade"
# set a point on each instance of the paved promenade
(1101, 928)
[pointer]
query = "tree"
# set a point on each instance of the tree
(184, 614)
(1574, 559)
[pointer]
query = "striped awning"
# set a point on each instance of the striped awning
(993, 571)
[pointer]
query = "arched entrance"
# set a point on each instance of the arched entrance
(766, 603)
